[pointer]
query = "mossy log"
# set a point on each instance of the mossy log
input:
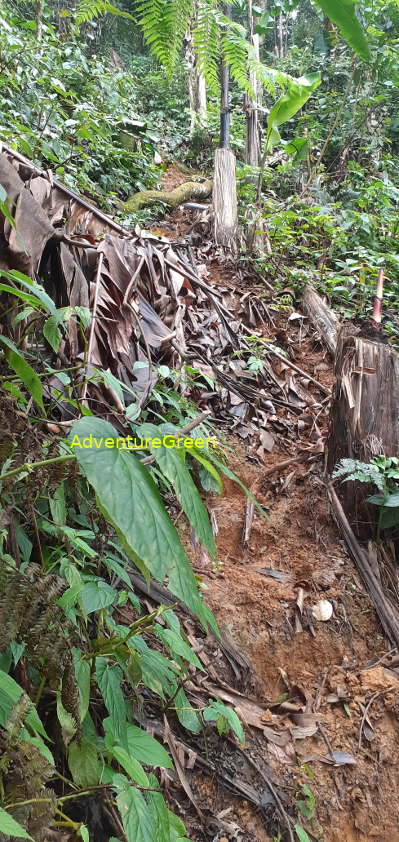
(173, 198)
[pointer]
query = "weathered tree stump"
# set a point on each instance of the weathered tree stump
(364, 418)
(224, 199)
(322, 317)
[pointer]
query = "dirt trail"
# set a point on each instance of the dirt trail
(268, 615)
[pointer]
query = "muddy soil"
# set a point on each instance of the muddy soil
(263, 595)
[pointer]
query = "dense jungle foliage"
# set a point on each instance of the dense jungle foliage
(98, 95)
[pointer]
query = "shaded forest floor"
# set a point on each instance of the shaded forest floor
(263, 593)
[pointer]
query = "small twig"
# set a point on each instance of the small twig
(284, 814)
(93, 324)
(368, 706)
(306, 456)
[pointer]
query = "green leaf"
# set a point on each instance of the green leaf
(301, 833)
(197, 453)
(186, 713)
(96, 595)
(57, 505)
(160, 813)
(131, 766)
(146, 749)
(298, 92)
(82, 674)
(178, 646)
(18, 363)
(217, 709)
(109, 682)
(136, 817)
(84, 833)
(130, 500)
(34, 289)
(10, 827)
(10, 692)
(84, 763)
(66, 720)
(392, 501)
(171, 463)
(52, 333)
(38, 743)
(228, 473)
(343, 14)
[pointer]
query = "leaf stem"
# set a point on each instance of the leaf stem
(30, 466)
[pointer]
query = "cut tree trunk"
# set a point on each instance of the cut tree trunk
(225, 199)
(322, 317)
(252, 151)
(364, 419)
(173, 198)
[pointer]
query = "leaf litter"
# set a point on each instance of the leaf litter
(161, 300)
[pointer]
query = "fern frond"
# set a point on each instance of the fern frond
(207, 44)
(90, 9)
(235, 53)
(164, 24)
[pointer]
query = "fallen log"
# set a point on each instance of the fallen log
(321, 316)
(173, 198)
(364, 416)
(387, 612)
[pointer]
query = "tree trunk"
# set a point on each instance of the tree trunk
(224, 184)
(322, 317)
(196, 89)
(364, 418)
(225, 199)
(252, 151)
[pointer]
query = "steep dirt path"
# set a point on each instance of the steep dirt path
(263, 595)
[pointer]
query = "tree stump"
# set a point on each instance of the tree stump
(364, 418)
(225, 199)
(322, 317)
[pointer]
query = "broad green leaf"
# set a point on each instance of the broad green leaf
(392, 501)
(10, 693)
(157, 672)
(84, 763)
(130, 500)
(131, 766)
(389, 518)
(136, 818)
(186, 713)
(82, 674)
(96, 595)
(172, 464)
(178, 646)
(52, 333)
(146, 749)
(84, 833)
(343, 14)
(109, 683)
(10, 827)
(298, 92)
(18, 363)
(217, 709)
(33, 288)
(160, 813)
